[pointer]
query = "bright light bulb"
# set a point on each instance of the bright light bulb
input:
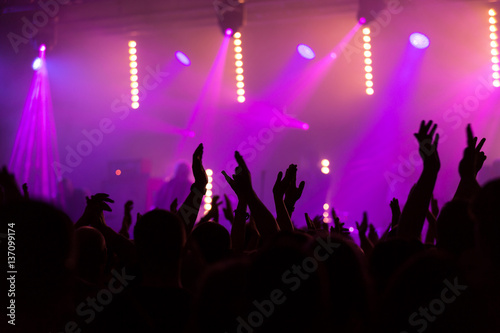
(493, 44)
(367, 46)
(496, 75)
(239, 77)
(237, 35)
(240, 92)
(326, 206)
(240, 84)
(239, 63)
(134, 98)
(237, 49)
(325, 214)
(494, 52)
(209, 172)
(368, 54)
(238, 56)
(495, 67)
(133, 78)
(494, 60)
(237, 42)
(134, 91)
(133, 64)
(239, 70)
(496, 83)
(207, 207)
(366, 31)
(492, 20)
(493, 36)
(209, 186)
(369, 76)
(132, 57)
(368, 69)
(325, 162)
(133, 71)
(209, 193)
(368, 61)
(492, 12)
(132, 51)
(369, 91)
(134, 84)
(132, 44)
(369, 84)
(135, 105)
(366, 39)
(241, 99)
(493, 28)
(325, 170)
(208, 200)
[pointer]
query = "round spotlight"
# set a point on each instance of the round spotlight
(229, 32)
(241, 99)
(37, 64)
(325, 170)
(183, 59)
(118, 172)
(362, 20)
(209, 172)
(326, 206)
(42, 47)
(305, 126)
(418, 40)
(325, 163)
(237, 35)
(351, 229)
(135, 105)
(305, 51)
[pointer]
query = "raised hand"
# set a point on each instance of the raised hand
(310, 224)
(282, 184)
(396, 212)
(363, 227)
(173, 206)
(372, 234)
(213, 213)
(473, 158)
(241, 182)
(127, 219)
(228, 210)
(293, 193)
(200, 176)
(339, 228)
(428, 144)
(93, 214)
(434, 207)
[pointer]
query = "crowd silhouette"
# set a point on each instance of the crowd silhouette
(178, 274)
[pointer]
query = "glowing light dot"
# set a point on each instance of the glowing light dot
(210, 179)
(325, 162)
(209, 186)
(134, 84)
(133, 64)
(239, 70)
(351, 229)
(369, 91)
(209, 172)
(241, 99)
(493, 36)
(326, 206)
(325, 214)
(132, 57)
(182, 58)
(237, 42)
(132, 51)
(494, 60)
(238, 63)
(366, 31)
(369, 84)
(368, 69)
(492, 20)
(134, 91)
(493, 44)
(209, 193)
(368, 61)
(305, 126)
(133, 78)
(420, 41)
(494, 52)
(37, 64)
(366, 39)
(132, 44)
(306, 52)
(495, 67)
(325, 219)
(135, 105)
(134, 98)
(42, 47)
(237, 35)
(368, 54)
(369, 76)
(207, 207)
(325, 170)
(240, 92)
(333, 55)
(238, 56)
(240, 84)
(208, 200)
(496, 83)
(239, 77)
(492, 12)
(133, 71)
(229, 31)
(493, 28)
(367, 46)
(118, 172)
(496, 75)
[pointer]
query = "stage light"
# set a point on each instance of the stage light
(229, 32)
(208, 194)
(368, 60)
(306, 52)
(325, 162)
(183, 59)
(369, 91)
(209, 172)
(37, 64)
(333, 55)
(207, 207)
(494, 48)
(42, 48)
(209, 186)
(418, 40)
(305, 126)
(208, 200)
(118, 172)
(325, 170)
(133, 77)
(239, 67)
(325, 214)
(351, 229)
(326, 206)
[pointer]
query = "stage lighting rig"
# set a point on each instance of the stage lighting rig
(230, 14)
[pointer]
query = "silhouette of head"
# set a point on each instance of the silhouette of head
(159, 238)
(91, 253)
(213, 240)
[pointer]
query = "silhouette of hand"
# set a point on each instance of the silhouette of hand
(228, 210)
(200, 176)
(363, 227)
(428, 144)
(293, 193)
(473, 158)
(241, 182)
